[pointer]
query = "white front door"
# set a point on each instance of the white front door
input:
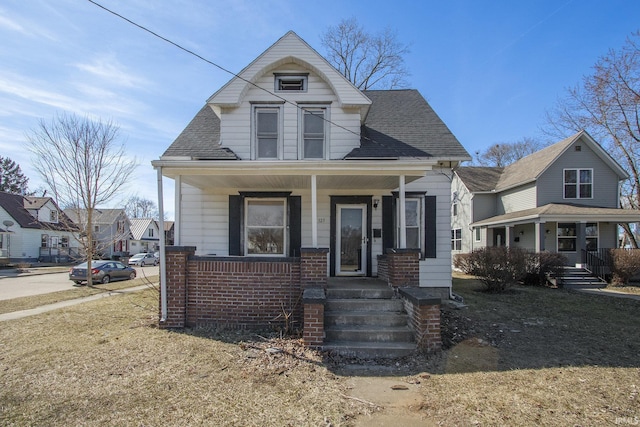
(351, 240)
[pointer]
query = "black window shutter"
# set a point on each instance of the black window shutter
(295, 225)
(430, 222)
(388, 240)
(235, 221)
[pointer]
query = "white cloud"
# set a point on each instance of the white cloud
(109, 69)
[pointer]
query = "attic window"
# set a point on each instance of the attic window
(578, 147)
(291, 83)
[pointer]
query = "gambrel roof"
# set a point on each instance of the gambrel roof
(400, 124)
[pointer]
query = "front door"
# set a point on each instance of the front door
(351, 240)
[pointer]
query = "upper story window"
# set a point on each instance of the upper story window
(266, 132)
(291, 82)
(151, 232)
(578, 183)
(314, 132)
(53, 216)
(455, 209)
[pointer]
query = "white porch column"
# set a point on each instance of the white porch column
(403, 217)
(163, 264)
(177, 210)
(540, 236)
(508, 231)
(314, 212)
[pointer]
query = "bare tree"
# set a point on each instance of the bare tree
(81, 162)
(138, 207)
(12, 180)
(501, 155)
(369, 61)
(607, 105)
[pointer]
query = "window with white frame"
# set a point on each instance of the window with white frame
(413, 221)
(455, 209)
(578, 183)
(53, 216)
(44, 241)
(591, 236)
(566, 237)
(477, 232)
(267, 132)
(64, 241)
(313, 120)
(290, 82)
(265, 226)
(456, 239)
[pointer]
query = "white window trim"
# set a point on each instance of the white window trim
(285, 226)
(454, 239)
(254, 129)
(477, 232)
(577, 184)
(327, 118)
(597, 236)
(421, 221)
(574, 237)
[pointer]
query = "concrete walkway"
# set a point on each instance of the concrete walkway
(50, 307)
(602, 291)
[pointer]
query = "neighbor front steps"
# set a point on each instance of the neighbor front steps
(574, 276)
(364, 320)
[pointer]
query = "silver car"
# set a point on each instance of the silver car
(102, 272)
(143, 259)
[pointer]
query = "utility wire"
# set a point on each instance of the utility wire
(190, 52)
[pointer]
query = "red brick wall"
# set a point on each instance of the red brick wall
(403, 267)
(424, 320)
(383, 268)
(240, 292)
(313, 334)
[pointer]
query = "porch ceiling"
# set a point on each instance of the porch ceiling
(297, 175)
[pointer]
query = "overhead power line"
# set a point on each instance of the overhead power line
(202, 58)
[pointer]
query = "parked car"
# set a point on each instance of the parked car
(143, 259)
(102, 272)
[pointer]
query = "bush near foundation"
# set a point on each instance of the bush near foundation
(498, 268)
(625, 265)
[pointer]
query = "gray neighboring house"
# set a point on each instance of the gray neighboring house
(111, 230)
(563, 198)
(145, 235)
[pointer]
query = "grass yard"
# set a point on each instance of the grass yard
(532, 356)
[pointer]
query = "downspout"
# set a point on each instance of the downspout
(163, 264)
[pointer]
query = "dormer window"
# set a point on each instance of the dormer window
(53, 216)
(291, 83)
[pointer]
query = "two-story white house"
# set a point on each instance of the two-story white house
(290, 155)
(145, 235)
(563, 198)
(35, 229)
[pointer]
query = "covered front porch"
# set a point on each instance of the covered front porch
(567, 229)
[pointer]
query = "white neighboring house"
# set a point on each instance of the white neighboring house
(35, 229)
(111, 230)
(145, 235)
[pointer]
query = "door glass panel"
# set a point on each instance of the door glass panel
(350, 239)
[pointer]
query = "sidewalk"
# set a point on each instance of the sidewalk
(602, 291)
(33, 271)
(50, 307)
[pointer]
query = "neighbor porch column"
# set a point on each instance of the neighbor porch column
(508, 231)
(314, 212)
(581, 242)
(403, 216)
(539, 236)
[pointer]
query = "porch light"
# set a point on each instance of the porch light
(522, 232)
(375, 203)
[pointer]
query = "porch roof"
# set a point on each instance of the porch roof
(287, 175)
(555, 212)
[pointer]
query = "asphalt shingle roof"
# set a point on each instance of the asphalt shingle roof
(201, 139)
(479, 178)
(16, 206)
(401, 123)
(99, 216)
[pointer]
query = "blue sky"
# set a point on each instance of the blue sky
(490, 69)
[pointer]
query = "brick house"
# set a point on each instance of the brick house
(290, 179)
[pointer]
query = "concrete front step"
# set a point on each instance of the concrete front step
(369, 333)
(362, 318)
(357, 293)
(379, 305)
(368, 350)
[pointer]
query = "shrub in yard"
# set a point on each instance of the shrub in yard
(625, 265)
(539, 265)
(496, 267)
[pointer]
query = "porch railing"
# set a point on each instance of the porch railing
(59, 255)
(599, 262)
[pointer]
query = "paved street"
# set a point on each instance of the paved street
(12, 286)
